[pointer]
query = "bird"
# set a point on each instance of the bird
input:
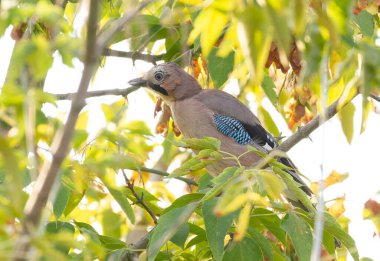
(200, 113)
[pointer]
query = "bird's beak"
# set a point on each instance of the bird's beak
(138, 82)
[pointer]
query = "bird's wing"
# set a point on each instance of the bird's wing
(235, 120)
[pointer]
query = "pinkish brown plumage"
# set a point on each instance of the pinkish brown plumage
(200, 113)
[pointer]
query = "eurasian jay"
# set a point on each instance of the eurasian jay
(200, 112)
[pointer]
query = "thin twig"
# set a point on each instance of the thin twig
(134, 55)
(165, 174)
(106, 35)
(139, 199)
(122, 92)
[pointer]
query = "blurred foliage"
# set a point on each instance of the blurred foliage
(299, 55)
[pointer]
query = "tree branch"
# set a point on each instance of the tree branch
(44, 183)
(122, 92)
(134, 55)
(61, 142)
(165, 174)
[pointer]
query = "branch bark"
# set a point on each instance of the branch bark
(61, 143)
(165, 174)
(134, 55)
(121, 92)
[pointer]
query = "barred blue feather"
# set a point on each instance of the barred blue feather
(243, 133)
(232, 128)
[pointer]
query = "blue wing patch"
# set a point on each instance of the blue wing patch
(232, 128)
(243, 133)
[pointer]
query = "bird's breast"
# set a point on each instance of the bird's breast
(192, 118)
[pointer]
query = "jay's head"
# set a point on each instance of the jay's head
(169, 81)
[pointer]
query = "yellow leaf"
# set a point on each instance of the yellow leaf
(208, 34)
(346, 117)
(236, 203)
(270, 183)
(82, 121)
(230, 41)
(191, 2)
(243, 221)
(367, 106)
(372, 211)
(335, 177)
(334, 59)
(337, 208)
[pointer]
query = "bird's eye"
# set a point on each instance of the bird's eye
(159, 76)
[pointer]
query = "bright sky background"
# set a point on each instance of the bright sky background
(360, 159)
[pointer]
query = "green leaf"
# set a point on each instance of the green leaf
(167, 227)
(216, 227)
(269, 89)
(112, 223)
(196, 241)
(256, 39)
(346, 117)
(264, 243)
(221, 181)
(123, 202)
(300, 234)
(270, 221)
(208, 34)
(371, 65)
(87, 229)
(73, 201)
(180, 237)
(268, 121)
(61, 200)
(336, 230)
(111, 243)
(278, 17)
(200, 235)
(205, 143)
(184, 200)
(245, 250)
(193, 164)
(80, 137)
(220, 67)
(59, 227)
(138, 127)
(313, 53)
(300, 13)
(173, 44)
(328, 242)
(204, 183)
(365, 22)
